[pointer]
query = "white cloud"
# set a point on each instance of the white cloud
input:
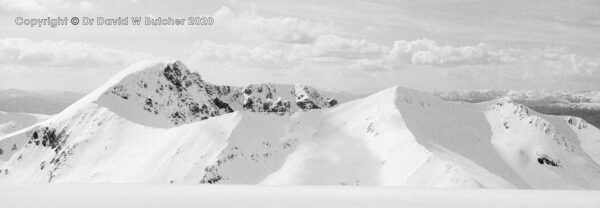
(325, 50)
(334, 52)
(291, 43)
(428, 52)
(243, 55)
(21, 51)
(281, 43)
(333, 46)
(253, 27)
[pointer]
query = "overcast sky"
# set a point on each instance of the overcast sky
(357, 46)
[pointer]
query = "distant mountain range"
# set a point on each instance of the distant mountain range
(14, 100)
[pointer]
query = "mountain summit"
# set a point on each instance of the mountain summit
(176, 96)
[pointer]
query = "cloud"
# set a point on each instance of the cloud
(46, 7)
(253, 27)
(428, 52)
(333, 46)
(280, 43)
(326, 49)
(331, 51)
(21, 51)
(240, 54)
(289, 43)
(554, 61)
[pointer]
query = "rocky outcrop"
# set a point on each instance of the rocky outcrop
(183, 97)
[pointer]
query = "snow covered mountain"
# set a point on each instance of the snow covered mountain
(157, 122)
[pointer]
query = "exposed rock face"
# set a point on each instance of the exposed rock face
(183, 97)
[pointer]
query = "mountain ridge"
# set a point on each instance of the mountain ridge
(396, 137)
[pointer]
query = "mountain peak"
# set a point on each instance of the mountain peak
(168, 93)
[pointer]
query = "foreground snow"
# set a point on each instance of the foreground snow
(138, 195)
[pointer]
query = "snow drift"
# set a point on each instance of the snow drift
(157, 122)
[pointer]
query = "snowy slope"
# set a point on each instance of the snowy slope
(11, 122)
(543, 149)
(143, 126)
(589, 136)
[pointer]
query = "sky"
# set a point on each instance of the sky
(351, 46)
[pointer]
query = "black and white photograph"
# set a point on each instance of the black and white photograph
(300, 103)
